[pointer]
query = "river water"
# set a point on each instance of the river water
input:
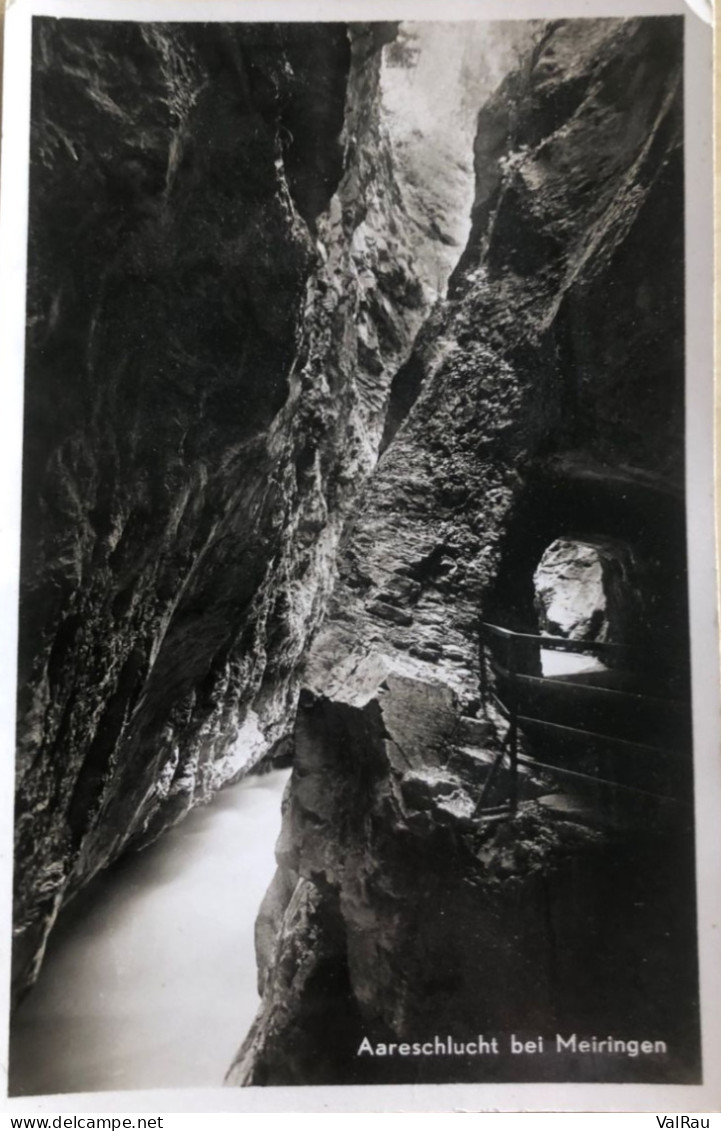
(149, 980)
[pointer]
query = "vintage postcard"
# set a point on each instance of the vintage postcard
(360, 655)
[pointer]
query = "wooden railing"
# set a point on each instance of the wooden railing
(613, 723)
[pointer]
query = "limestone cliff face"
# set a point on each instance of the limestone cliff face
(219, 295)
(543, 399)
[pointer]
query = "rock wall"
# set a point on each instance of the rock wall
(543, 399)
(588, 591)
(219, 294)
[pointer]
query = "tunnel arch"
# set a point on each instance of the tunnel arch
(565, 499)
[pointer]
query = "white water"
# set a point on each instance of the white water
(150, 980)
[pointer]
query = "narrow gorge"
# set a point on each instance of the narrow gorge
(344, 341)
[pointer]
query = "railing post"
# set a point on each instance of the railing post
(482, 657)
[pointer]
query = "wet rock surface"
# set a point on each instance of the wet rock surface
(587, 591)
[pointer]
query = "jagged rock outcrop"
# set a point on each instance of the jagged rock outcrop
(219, 294)
(544, 398)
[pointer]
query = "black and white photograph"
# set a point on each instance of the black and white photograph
(359, 716)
